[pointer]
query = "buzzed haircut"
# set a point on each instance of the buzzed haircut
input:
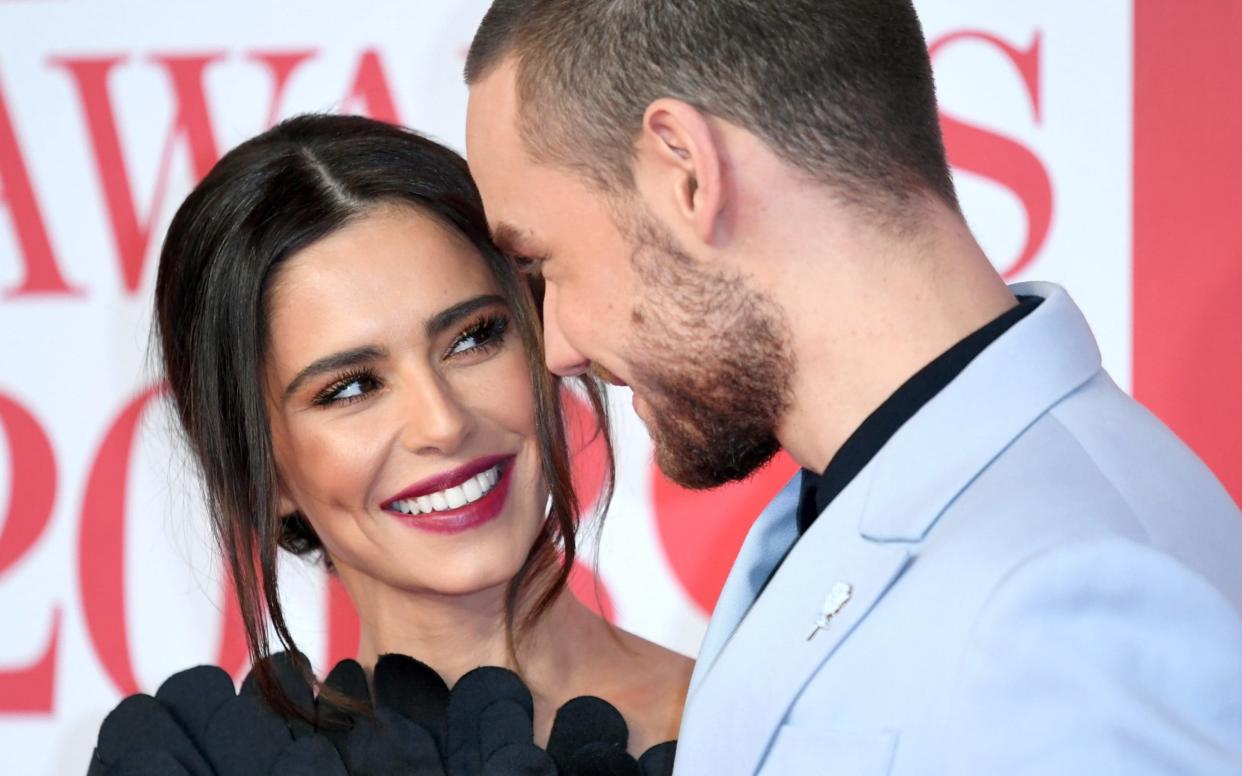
(841, 89)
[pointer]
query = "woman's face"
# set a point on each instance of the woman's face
(402, 412)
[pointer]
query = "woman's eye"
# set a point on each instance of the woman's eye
(480, 336)
(347, 390)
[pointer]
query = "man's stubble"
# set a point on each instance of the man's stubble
(711, 358)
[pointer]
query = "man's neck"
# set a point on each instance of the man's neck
(908, 302)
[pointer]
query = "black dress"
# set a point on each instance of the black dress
(196, 725)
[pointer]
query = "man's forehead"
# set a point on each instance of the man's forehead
(491, 108)
(493, 147)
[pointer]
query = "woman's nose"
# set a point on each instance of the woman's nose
(435, 420)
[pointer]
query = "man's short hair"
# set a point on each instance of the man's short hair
(841, 89)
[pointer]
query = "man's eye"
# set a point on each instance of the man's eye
(530, 266)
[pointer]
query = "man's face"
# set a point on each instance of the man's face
(706, 356)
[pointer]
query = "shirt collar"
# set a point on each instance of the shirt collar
(818, 490)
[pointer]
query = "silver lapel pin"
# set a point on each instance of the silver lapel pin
(838, 597)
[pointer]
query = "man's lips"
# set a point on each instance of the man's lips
(449, 479)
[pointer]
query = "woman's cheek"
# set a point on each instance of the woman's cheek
(520, 408)
(331, 461)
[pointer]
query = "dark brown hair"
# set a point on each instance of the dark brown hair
(264, 201)
(841, 89)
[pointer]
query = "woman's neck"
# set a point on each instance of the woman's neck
(455, 634)
(569, 651)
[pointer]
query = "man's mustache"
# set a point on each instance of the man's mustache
(600, 373)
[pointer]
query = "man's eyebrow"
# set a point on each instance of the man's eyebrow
(450, 317)
(334, 362)
(507, 237)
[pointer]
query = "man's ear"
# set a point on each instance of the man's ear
(681, 158)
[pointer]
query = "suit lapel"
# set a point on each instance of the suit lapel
(756, 662)
(769, 658)
(1007, 387)
(766, 543)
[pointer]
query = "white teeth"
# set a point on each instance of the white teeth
(468, 492)
(456, 497)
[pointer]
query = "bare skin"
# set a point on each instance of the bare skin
(424, 403)
(867, 304)
(570, 652)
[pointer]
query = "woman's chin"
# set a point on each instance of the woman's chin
(466, 584)
(460, 576)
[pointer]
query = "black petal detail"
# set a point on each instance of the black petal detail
(414, 690)
(309, 756)
(196, 726)
(503, 723)
(331, 719)
(391, 744)
(658, 760)
(470, 698)
(519, 760)
(140, 724)
(193, 696)
(583, 721)
(146, 762)
(600, 759)
(244, 738)
(291, 671)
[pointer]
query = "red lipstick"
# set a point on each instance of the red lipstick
(465, 517)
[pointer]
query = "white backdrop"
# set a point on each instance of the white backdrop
(110, 112)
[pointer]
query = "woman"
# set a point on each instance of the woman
(359, 374)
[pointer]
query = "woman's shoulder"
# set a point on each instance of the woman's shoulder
(652, 694)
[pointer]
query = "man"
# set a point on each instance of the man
(994, 561)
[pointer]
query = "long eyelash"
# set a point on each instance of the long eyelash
(324, 397)
(527, 266)
(490, 330)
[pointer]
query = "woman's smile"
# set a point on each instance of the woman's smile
(456, 501)
(360, 373)
(404, 401)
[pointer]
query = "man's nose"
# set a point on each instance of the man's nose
(436, 422)
(561, 357)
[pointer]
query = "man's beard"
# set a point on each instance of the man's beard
(711, 359)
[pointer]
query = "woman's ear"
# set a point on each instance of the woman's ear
(285, 505)
(680, 158)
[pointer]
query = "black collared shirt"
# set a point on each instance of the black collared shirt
(818, 490)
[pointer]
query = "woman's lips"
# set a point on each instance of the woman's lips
(463, 518)
(448, 479)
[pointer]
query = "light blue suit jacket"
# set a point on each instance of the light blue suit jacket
(1045, 580)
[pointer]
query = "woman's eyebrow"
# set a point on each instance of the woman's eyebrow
(335, 362)
(450, 317)
(437, 324)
